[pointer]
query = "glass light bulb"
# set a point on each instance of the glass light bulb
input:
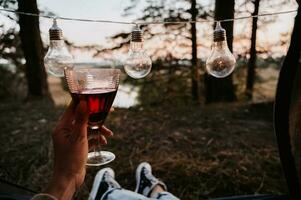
(138, 64)
(57, 58)
(221, 61)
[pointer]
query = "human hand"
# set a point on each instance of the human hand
(70, 150)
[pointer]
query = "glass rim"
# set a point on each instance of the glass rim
(78, 85)
(89, 69)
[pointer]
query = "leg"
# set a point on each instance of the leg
(118, 194)
(103, 182)
(164, 196)
(122, 194)
(105, 187)
(149, 186)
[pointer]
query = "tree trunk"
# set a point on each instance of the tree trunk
(33, 50)
(195, 77)
(252, 60)
(222, 90)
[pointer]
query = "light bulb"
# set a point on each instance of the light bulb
(221, 61)
(138, 64)
(57, 57)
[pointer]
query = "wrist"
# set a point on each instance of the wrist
(61, 187)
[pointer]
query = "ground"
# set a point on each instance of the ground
(199, 151)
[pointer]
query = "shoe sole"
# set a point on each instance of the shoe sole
(97, 181)
(138, 174)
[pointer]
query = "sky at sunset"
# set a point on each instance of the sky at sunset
(86, 33)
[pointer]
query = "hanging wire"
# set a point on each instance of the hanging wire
(144, 22)
(64, 18)
(222, 20)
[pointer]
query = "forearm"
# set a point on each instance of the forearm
(61, 187)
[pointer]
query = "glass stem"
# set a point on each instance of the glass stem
(92, 132)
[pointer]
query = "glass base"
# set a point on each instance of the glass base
(98, 158)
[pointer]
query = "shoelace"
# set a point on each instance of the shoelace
(109, 179)
(149, 176)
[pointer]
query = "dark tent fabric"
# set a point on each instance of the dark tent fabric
(287, 113)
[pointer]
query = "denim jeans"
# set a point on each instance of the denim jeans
(117, 194)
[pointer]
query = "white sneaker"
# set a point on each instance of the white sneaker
(103, 182)
(145, 180)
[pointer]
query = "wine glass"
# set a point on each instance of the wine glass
(98, 87)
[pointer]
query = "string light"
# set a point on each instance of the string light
(143, 22)
(221, 61)
(138, 64)
(58, 58)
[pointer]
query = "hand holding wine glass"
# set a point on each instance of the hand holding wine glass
(70, 150)
(97, 87)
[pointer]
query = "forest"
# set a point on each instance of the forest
(206, 137)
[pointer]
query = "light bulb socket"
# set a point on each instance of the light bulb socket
(55, 33)
(219, 33)
(136, 35)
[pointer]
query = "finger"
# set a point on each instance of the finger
(94, 133)
(100, 139)
(95, 142)
(95, 136)
(106, 132)
(68, 115)
(81, 119)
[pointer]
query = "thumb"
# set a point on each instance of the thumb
(81, 118)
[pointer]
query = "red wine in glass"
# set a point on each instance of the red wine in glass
(98, 87)
(99, 103)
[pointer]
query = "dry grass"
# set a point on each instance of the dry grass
(199, 152)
